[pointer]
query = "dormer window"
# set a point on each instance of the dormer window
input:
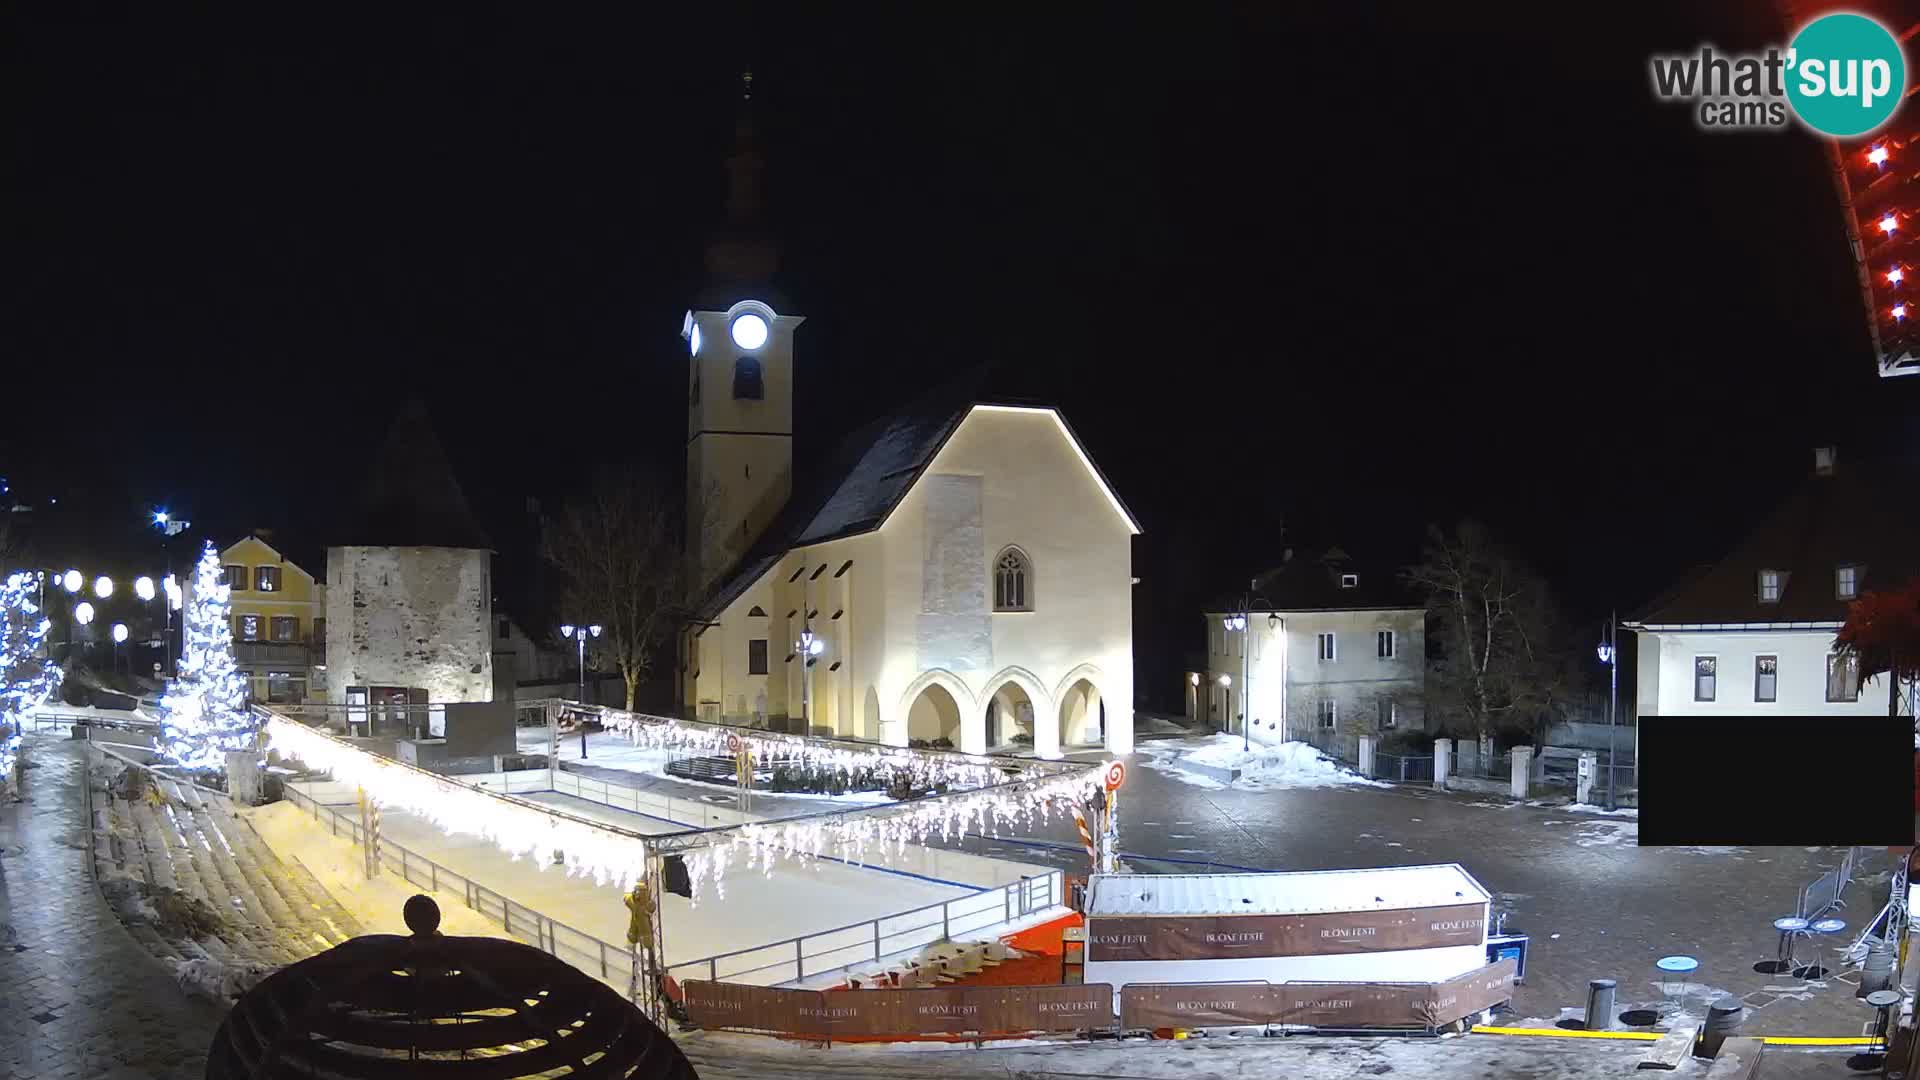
(1349, 581)
(1771, 582)
(1846, 583)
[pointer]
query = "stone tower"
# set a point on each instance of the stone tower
(409, 582)
(740, 375)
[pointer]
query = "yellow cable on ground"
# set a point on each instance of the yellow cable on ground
(1650, 1036)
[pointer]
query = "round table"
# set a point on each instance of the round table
(1883, 1002)
(1813, 971)
(1676, 965)
(1790, 927)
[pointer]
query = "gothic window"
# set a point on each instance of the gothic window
(757, 656)
(746, 378)
(1013, 581)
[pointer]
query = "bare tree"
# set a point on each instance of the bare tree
(618, 550)
(1502, 663)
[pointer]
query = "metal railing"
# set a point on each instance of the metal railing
(818, 951)
(866, 942)
(576, 947)
(1403, 768)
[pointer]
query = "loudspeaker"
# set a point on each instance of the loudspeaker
(673, 877)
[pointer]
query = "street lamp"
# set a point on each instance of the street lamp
(1610, 656)
(580, 635)
(809, 646)
(103, 586)
(71, 581)
(1237, 623)
(143, 588)
(83, 613)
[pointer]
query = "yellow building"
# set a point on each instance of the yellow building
(279, 622)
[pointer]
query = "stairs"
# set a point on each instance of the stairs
(190, 841)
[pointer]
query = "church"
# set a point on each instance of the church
(958, 573)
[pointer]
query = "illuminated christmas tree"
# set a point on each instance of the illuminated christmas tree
(204, 711)
(27, 678)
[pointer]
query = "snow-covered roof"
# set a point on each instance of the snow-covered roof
(1283, 893)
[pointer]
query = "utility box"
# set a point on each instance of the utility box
(1073, 955)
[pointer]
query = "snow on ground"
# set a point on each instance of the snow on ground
(296, 837)
(610, 750)
(758, 908)
(1589, 808)
(1627, 834)
(1262, 768)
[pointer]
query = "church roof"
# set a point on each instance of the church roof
(1310, 583)
(863, 480)
(1862, 515)
(412, 498)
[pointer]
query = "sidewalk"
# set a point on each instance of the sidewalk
(78, 998)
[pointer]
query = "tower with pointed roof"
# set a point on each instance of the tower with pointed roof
(740, 378)
(409, 602)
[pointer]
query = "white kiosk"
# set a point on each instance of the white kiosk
(1404, 924)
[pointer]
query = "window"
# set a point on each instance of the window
(280, 687)
(1383, 644)
(1329, 713)
(1389, 714)
(746, 379)
(1766, 678)
(248, 627)
(757, 656)
(1843, 677)
(1770, 583)
(758, 612)
(319, 631)
(266, 578)
(1703, 677)
(1846, 582)
(1349, 581)
(285, 628)
(1326, 645)
(236, 577)
(1012, 581)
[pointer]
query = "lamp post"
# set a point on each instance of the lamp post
(169, 527)
(1610, 656)
(580, 635)
(1238, 623)
(809, 646)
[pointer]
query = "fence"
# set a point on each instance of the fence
(1469, 762)
(869, 941)
(816, 952)
(1403, 768)
(576, 947)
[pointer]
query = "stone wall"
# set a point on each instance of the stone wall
(414, 617)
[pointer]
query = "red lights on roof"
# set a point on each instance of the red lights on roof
(1888, 224)
(1894, 275)
(1899, 311)
(1877, 155)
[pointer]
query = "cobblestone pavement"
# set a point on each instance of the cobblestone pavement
(78, 998)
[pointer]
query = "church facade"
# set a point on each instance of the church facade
(959, 574)
(956, 573)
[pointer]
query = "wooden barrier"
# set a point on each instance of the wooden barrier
(1145, 1006)
(1014, 1010)
(949, 1010)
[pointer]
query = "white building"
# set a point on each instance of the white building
(1754, 633)
(1328, 648)
(963, 570)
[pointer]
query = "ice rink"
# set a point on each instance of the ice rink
(758, 908)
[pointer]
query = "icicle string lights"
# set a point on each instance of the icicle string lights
(610, 855)
(606, 854)
(926, 768)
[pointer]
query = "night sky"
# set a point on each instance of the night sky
(1352, 273)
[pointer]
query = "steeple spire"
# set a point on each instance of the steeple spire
(742, 252)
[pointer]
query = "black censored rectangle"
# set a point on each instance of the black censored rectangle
(1754, 781)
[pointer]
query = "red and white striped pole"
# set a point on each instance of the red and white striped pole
(1086, 836)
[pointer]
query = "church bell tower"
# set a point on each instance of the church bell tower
(740, 375)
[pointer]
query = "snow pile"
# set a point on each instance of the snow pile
(1273, 767)
(215, 981)
(1589, 808)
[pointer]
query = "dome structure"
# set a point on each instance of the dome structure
(390, 1005)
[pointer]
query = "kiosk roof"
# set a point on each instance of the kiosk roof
(1283, 893)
